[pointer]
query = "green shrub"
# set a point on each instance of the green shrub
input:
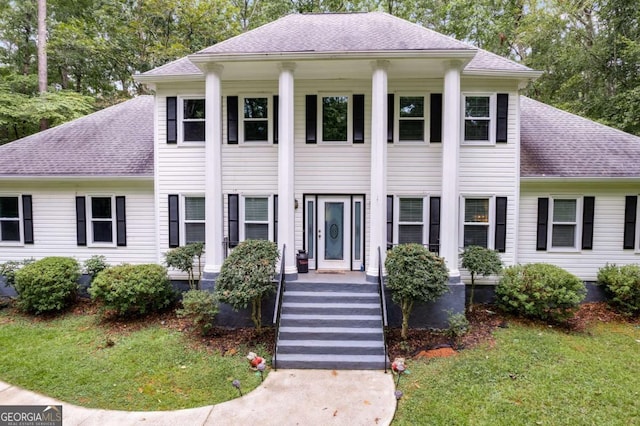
(622, 283)
(414, 274)
(480, 261)
(94, 265)
(201, 307)
(8, 270)
(182, 258)
(458, 326)
(47, 285)
(133, 289)
(540, 290)
(247, 275)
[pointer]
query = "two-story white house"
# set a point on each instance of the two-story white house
(337, 134)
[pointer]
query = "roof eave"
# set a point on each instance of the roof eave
(527, 74)
(154, 78)
(579, 179)
(79, 177)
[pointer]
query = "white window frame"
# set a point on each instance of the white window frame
(491, 220)
(320, 117)
(20, 242)
(183, 216)
(181, 119)
(577, 246)
(425, 118)
(425, 217)
(242, 215)
(91, 219)
(242, 119)
(492, 118)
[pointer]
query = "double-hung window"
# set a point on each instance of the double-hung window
(9, 219)
(256, 118)
(564, 223)
(411, 220)
(477, 223)
(335, 118)
(102, 217)
(411, 119)
(194, 220)
(193, 120)
(478, 110)
(256, 218)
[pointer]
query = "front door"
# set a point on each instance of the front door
(334, 233)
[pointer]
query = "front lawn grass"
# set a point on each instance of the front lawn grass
(77, 360)
(534, 375)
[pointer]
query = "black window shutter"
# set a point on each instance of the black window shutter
(588, 207)
(358, 118)
(27, 219)
(630, 206)
(81, 221)
(121, 221)
(174, 220)
(232, 120)
(311, 118)
(502, 117)
(501, 224)
(543, 219)
(390, 114)
(389, 221)
(234, 223)
(435, 118)
(172, 119)
(275, 218)
(434, 224)
(276, 117)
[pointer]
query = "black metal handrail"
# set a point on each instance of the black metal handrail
(278, 307)
(383, 306)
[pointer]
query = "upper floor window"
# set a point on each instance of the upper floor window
(9, 219)
(101, 218)
(564, 223)
(411, 118)
(478, 110)
(256, 119)
(194, 220)
(335, 118)
(193, 120)
(476, 222)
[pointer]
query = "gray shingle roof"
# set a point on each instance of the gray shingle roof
(116, 141)
(339, 32)
(555, 143)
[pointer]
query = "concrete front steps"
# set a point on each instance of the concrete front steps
(331, 326)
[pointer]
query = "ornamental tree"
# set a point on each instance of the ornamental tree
(414, 274)
(247, 275)
(182, 258)
(480, 261)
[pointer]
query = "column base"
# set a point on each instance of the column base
(208, 280)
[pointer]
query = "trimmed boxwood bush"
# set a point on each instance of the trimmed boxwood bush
(47, 285)
(540, 290)
(622, 284)
(133, 289)
(201, 307)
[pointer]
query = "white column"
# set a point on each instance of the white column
(286, 167)
(449, 216)
(378, 212)
(214, 215)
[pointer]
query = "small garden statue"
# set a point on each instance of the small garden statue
(398, 367)
(256, 361)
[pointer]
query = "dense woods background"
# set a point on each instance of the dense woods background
(589, 50)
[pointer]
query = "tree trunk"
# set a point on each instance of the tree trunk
(473, 286)
(256, 313)
(406, 306)
(42, 54)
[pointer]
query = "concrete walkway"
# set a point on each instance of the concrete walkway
(287, 397)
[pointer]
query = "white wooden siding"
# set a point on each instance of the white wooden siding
(54, 220)
(607, 231)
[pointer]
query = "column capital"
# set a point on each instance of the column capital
(380, 64)
(287, 66)
(213, 68)
(453, 64)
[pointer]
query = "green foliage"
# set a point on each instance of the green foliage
(480, 261)
(94, 265)
(414, 274)
(133, 289)
(8, 270)
(47, 285)
(458, 326)
(540, 290)
(201, 307)
(183, 258)
(247, 275)
(623, 285)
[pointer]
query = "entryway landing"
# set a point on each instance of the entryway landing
(340, 277)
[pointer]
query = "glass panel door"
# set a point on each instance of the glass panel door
(334, 233)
